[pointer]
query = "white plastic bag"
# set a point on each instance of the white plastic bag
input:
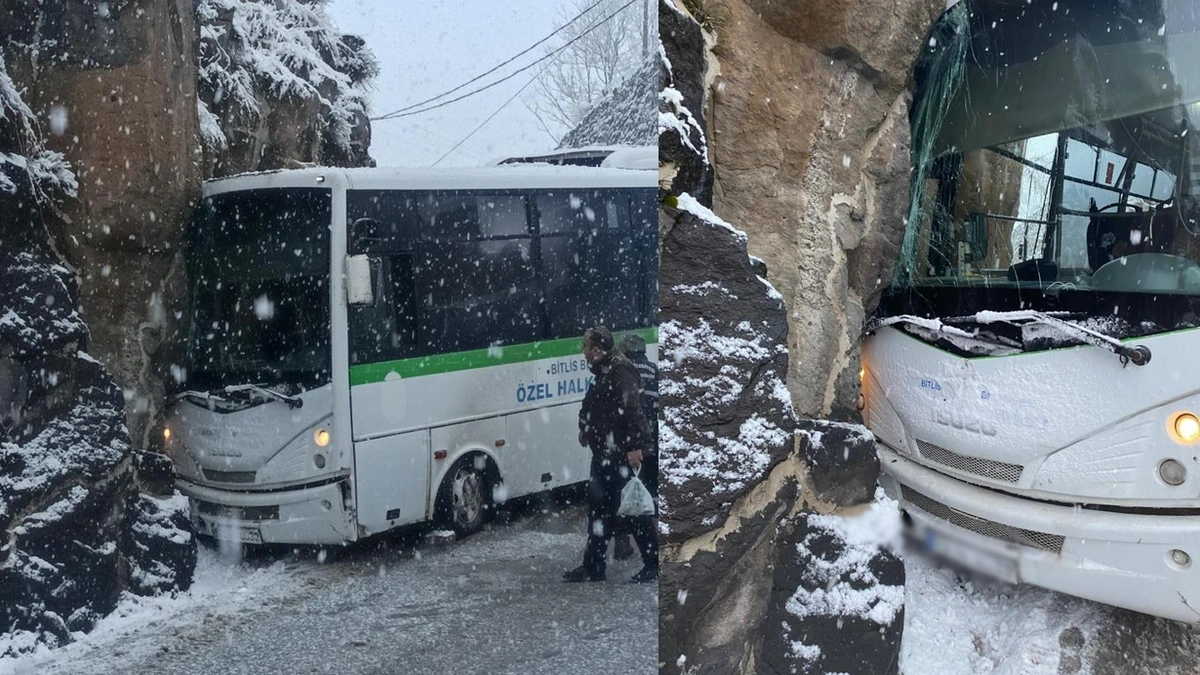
(635, 499)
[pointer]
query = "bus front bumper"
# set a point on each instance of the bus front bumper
(306, 515)
(1147, 563)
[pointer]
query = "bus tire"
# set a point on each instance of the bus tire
(465, 498)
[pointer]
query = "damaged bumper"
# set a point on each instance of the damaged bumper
(1147, 563)
(312, 515)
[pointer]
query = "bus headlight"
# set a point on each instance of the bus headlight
(321, 437)
(166, 434)
(1184, 427)
(1172, 472)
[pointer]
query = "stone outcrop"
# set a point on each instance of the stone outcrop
(114, 84)
(75, 528)
(809, 137)
(624, 116)
(753, 581)
(280, 88)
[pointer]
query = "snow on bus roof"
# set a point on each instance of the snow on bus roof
(516, 176)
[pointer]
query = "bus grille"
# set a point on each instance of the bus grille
(988, 528)
(238, 512)
(1007, 473)
(229, 476)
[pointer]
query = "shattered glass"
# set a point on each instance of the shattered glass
(1056, 165)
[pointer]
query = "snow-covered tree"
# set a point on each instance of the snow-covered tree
(598, 56)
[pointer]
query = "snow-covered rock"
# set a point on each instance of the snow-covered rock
(280, 87)
(75, 532)
(622, 117)
(751, 581)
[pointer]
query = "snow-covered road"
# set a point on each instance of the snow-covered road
(954, 625)
(493, 604)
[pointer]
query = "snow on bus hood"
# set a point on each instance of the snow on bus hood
(245, 440)
(1079, 421)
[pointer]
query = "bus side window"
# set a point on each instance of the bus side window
(404, 301)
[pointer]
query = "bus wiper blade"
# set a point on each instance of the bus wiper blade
(1138, 355)
(936, 326)
(292, 401)
(201, 395)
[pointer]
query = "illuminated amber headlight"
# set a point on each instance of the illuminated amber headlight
(1184, 427)
(321, 437)
(166, 434)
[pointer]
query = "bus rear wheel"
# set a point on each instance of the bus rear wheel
(466, 502)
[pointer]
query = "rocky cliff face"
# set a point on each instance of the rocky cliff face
(753, 580)
(101, 159)
(79, 524)
(810, 144)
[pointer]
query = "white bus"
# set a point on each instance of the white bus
(1032, 374)
(372, 348)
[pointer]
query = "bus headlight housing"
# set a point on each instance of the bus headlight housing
(1184, 427)
(321, 438)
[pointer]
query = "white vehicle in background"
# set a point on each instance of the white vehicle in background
(373, 348)
(1032, 374)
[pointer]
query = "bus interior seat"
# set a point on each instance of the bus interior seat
(1148, 272)
(1038, 270)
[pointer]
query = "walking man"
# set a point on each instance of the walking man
(633, 347)
(613, 427)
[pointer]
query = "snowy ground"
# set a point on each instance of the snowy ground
(954, 624)
(492, 604)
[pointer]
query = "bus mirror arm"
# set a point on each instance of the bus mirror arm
(359, 281)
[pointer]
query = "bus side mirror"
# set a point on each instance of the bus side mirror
(359, 289)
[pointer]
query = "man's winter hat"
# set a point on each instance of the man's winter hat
(633, 344)
(599, 337)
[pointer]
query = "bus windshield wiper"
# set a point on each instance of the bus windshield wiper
(201, 395)
(292, 401)
(1138, 355)
(941, 326)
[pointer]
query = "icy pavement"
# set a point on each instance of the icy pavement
(492, 604)
(957, 625)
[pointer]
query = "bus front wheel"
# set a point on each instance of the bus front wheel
(465, 497)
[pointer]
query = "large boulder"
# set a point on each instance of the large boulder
(752, 581)
(810, 142)
(73, 524)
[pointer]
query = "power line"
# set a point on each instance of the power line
(552, 54)
(498, 67)
(489, 119)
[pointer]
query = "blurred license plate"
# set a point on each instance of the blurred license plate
(984, 562)
(250, 535)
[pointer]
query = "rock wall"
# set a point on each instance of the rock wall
(114, 84)
(809, 140)
(79, 523)
(752, 580)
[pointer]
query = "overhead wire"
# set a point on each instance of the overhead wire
(398, 114)
(531, 81)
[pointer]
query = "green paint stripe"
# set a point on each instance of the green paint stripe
(368, 373)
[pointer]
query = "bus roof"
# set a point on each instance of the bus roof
(470, 178)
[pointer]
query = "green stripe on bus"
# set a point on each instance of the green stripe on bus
(368, 373)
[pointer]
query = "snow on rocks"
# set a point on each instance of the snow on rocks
(839, 600)
(265, 60)
(67, 479)
(722, 338)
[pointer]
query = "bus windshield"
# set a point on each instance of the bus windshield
(260, 293)
(1055, 153)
